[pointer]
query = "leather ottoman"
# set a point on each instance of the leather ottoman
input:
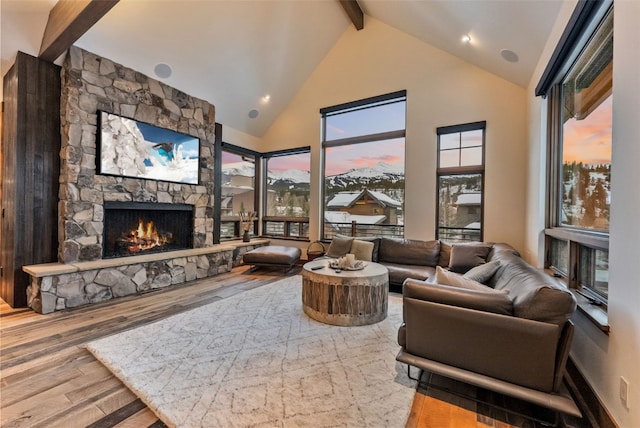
(273, 255)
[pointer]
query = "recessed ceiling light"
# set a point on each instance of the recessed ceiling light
(509, 55)
(266, 97)
(466, 38)
(253, 114)
(162, 71)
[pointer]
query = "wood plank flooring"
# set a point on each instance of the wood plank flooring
(48, 380)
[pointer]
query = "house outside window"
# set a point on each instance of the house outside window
(363, 167)
(286, 195)
(460, 178)
(579, 161)
(238, 189)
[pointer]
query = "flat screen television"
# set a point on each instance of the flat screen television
(130, 148)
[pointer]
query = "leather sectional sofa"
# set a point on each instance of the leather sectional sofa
(511, 335)
(513, 338)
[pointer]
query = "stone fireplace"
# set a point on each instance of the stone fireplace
(136, 228)
(100, 249)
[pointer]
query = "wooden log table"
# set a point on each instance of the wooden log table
(345, 298)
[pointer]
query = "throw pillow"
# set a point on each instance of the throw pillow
(444, 277)
(445, 254)
(465, 256)
(484, 272)
(340, 245)
(362, 250)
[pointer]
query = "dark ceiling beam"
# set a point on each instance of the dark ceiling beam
(68, 21)
(355, 13)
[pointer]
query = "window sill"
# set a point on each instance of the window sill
(286, 238)
(595, 314)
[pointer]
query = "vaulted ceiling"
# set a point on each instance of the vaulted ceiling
(232, 53)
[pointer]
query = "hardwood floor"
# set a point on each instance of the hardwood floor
(48, 379)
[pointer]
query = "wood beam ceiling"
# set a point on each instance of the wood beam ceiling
(355, 13)
(68, 21)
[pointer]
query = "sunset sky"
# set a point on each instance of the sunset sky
(343, 158)
(381, 118)
(589, 140)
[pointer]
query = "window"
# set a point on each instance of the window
(363, 153)
(579, 88)
(460, 182)
(286, 195)
(237, 189)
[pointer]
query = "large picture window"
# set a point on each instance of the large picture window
(363, 174)
(286, 197)
(460, 182)
(579, 84)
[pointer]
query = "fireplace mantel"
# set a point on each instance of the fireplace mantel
(59, 286)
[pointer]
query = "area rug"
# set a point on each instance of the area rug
(256, 360)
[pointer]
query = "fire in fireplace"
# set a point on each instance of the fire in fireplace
(133, 228)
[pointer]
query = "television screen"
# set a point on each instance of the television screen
(130, 148)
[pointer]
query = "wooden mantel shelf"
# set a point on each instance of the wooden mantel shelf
(50, 269)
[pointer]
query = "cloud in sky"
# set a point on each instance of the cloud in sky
(343, 158)
(589, 140)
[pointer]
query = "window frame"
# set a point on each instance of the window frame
(241, 151)
(288, 222)
(461, 170)
(371, 102)
(586, 19)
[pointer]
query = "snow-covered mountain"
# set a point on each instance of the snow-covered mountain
(290, 176)
(382, 172)
(244, 169)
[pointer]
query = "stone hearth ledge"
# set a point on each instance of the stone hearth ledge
(59, 286)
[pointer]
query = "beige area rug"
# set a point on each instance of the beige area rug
(256, 360)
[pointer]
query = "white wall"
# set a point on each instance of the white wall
(441, 90)
(603, 359)
(239, 138)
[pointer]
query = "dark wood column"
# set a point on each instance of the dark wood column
(30, 172)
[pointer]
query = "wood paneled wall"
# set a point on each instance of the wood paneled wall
(30, 172)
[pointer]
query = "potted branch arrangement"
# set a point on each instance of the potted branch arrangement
(246, 221)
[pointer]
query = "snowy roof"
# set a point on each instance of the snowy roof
(343, 199)
(474, 225)
(347, 199)
(385, 199)
(469, 199)
(344, 217)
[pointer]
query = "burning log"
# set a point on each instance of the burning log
(145, 237)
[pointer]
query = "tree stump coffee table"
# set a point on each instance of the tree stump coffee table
(345, 298)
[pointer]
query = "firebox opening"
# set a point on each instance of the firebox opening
(134, 228)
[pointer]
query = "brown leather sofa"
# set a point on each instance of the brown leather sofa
(404, 258)
(513, 339)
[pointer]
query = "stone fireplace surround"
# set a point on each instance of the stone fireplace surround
(91, 83)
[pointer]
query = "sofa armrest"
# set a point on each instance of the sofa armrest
(488, 301)
(512, 349)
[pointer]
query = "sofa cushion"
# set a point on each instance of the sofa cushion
(446, 277)
(467, 256)
(362, 250)
(497, 303)
(340, 245)
(399, 272)
(483, 272)
(535, 294)
(409, 251)
(445, 254)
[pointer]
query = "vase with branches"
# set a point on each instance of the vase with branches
(246, 221)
